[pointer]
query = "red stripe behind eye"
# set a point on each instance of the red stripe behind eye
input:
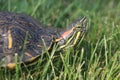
(65, 34)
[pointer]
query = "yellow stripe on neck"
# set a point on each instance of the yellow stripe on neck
(77, 37)
(9, 40)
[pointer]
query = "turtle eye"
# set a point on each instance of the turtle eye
(77, 28)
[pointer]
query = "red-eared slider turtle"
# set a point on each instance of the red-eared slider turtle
(22, 36)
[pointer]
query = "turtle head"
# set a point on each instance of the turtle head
(73, 35)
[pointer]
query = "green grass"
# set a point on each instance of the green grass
(97, 57)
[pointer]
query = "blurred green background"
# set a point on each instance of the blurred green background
(102, 39)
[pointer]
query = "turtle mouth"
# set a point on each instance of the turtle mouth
(73, 36)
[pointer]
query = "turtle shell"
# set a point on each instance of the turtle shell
(23, 36)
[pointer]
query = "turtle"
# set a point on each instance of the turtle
(23, 36)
